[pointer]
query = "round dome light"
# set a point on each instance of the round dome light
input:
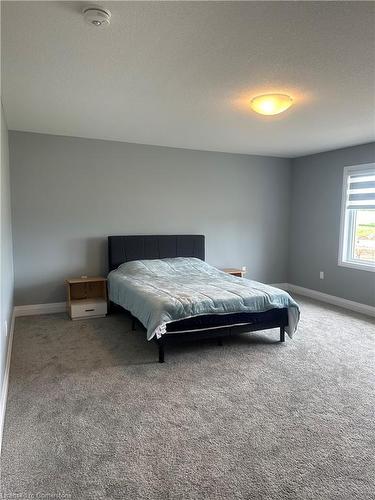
(271, 104)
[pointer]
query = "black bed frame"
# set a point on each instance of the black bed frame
(126, 248)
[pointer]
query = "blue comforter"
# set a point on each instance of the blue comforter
(160, 291)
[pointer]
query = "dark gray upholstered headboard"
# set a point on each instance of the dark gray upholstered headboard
(124, 248)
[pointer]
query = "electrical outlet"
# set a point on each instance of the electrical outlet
(6, 327)
(244, 269)
(321, 275)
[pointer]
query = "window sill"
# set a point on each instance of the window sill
(356, 265)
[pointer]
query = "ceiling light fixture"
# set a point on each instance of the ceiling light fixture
(271, 104)
(97, 16)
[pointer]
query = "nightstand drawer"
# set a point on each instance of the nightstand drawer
(87, 308)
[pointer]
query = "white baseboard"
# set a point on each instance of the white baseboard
(325, 297)
(332, 299)
(283, 286)
(58, 307)
(4, 389)
(33, 309)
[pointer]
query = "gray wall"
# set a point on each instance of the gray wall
(316, 208)
(6, 277)
(68, 194)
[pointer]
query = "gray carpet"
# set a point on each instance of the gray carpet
(92, 415)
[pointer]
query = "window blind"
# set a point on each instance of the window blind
(361, 190)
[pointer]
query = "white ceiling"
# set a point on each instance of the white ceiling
(181, 73)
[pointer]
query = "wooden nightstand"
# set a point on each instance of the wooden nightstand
(86, 297)
(235, 272)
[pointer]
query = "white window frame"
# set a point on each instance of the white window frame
(347, 222)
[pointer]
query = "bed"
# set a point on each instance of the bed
(165, 284)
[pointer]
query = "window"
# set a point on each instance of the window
(357, 235)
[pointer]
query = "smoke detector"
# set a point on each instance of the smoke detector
(97, 16)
